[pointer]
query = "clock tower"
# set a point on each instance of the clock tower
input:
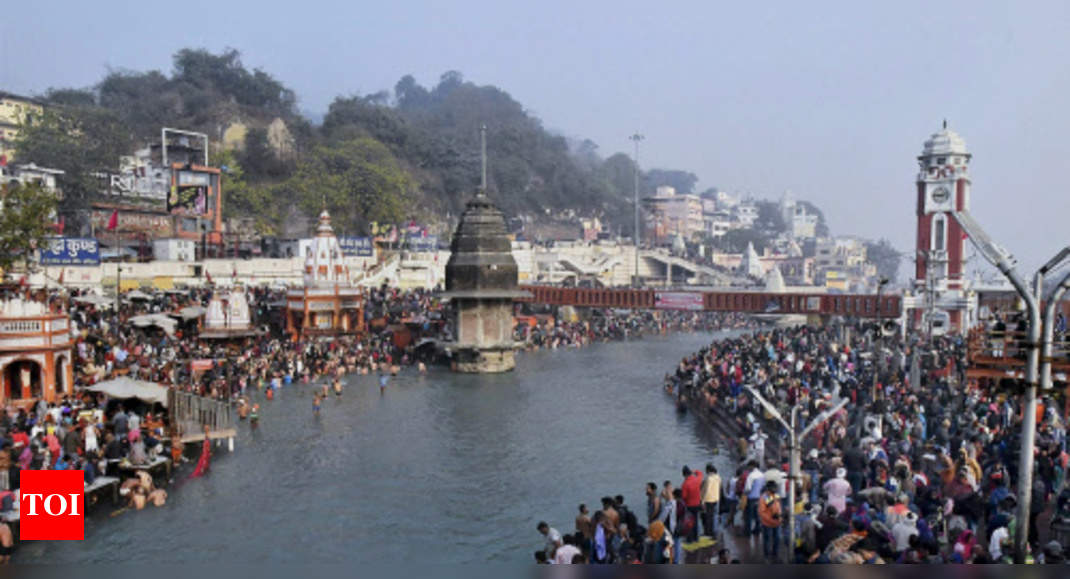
(943, 187)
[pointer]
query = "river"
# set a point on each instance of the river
(441, 468)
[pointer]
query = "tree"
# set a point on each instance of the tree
(82, 141)
(359, 180)
(683, 181)
(885, 256)
(242, 199)
(25, 217)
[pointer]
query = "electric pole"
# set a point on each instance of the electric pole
(636, 138)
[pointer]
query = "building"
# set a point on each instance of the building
(798, 222)
(35, 353)
(15, 111)
(943, 187)
(669, 213)
(328, 304)
(745, 214)
(840, 264)
(481, 284)
(228, 315)
(172, 249)
(166, 190)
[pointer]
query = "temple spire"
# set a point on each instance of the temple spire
(483, 159)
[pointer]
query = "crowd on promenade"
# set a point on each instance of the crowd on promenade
(612, 325)
(918, 471)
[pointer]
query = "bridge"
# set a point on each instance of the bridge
(701, 273)
(755, 302)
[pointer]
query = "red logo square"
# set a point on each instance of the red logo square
(51, 505)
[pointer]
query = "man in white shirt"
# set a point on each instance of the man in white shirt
(553, 538)
(566, 552)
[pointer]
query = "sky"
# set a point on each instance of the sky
(831, 100)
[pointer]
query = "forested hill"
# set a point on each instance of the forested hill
(412, 152)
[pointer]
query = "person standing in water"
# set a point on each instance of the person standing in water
(254, 416)
(316, 403)
(383, 379)
(337, 387)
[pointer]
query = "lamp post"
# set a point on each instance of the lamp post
(793, 450)
(1040, 331)
(878, 339)
(636, 138)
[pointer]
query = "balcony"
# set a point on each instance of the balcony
(34, 332)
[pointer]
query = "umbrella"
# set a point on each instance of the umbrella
(189, 313)
(138, 295)
(94, 300)
(126, 387)
(159, 320)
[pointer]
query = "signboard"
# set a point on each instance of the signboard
(678, 301)
(359, 246)
(422, 243)
(70, 251)
(189, 193)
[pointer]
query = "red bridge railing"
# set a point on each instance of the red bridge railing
(852, 305)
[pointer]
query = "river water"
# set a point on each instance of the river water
(441, 468)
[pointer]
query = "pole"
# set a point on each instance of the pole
(1029, 416)
(118, 272)
(638, 237)
(483, 158)
(1049, 331)
(793, 474)
(793, 462)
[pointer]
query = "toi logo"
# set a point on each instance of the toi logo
(52, 505)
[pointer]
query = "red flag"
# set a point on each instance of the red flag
(60, 226)
(61, 272)
(208, 276)
(113, 221)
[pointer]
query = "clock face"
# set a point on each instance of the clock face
(941, 195)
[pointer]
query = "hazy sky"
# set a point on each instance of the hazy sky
(830, 100)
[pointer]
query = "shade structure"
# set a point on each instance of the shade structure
(126, 387)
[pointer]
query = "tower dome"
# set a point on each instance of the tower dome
(945, 142)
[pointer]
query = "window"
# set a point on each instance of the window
(939, 235)
(941, 161)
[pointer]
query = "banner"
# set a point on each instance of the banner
(189, 193)
(358, 246)
(70, 251)
(422, 243)
(678, 301)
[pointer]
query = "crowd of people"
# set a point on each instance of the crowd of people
(919, 466)
(611, 325)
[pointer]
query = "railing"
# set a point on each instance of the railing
(855, 305)
(190, 413)
(21, 327)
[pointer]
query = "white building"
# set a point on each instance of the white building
(173, 249)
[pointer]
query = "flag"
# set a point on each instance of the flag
(61, 272)
(208, 276)
(113, 221)
(60, 226)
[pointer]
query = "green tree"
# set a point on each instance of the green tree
(242, 199)
(25, 218)
(82, 141)
(359, 179)
(885, 256)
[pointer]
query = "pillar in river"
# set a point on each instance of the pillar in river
(481, 283)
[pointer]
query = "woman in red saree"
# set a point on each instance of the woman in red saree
(206, 456)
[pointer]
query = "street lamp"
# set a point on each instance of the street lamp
(1039, 338)
(636, 138)
(878, 339)
(793, 449)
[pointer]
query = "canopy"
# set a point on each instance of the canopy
(137, 295)
(190, 313)
(126, 387)
(159, 320)
(95, 300)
